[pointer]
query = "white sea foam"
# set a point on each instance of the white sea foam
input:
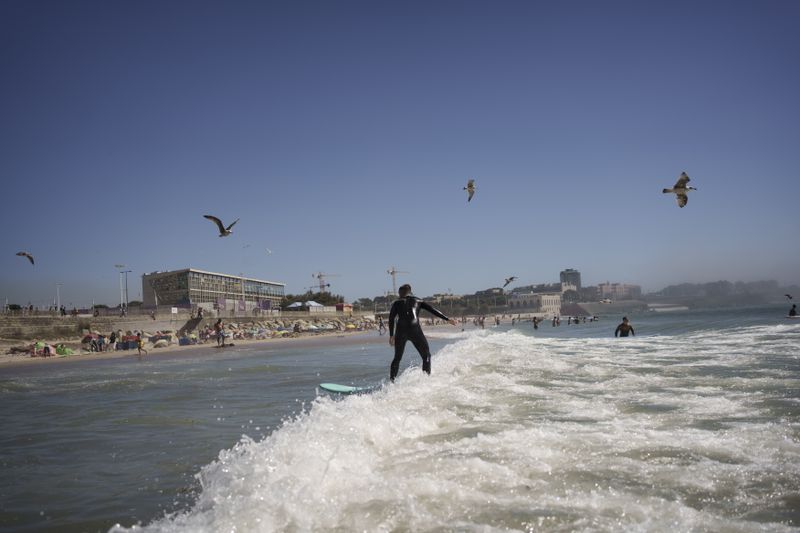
(515, 432)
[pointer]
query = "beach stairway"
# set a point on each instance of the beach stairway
(190, 326)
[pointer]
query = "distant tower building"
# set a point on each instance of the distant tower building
(571, 276)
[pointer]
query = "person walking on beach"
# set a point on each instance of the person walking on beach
(140, 344)
(624, 328)
(404, 326)
(219, 328)
(381, 326)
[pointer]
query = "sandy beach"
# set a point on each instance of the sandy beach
(8, 362)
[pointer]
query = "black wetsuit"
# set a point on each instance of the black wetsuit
(404, 326)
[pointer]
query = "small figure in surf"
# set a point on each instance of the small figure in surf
(404, 326)
(793, 310)
(624, 329)
(381, 326)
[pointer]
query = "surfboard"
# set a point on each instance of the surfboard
(345, 389)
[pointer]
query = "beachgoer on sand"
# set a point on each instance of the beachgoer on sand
(219, 328)
(140, 344)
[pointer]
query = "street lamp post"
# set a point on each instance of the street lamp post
(58, 297)
(126, 287)
(121, 294)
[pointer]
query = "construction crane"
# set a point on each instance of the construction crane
(321, 277)
(393, 272)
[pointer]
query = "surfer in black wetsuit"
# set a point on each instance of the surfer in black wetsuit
(624, 328)
(793, 310)
(404, 326)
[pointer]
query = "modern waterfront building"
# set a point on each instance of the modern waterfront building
(197, 288)
(571, 276)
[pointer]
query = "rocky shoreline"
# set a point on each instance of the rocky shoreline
(165, 334)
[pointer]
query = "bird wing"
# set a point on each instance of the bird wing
(682, 199)
(216, 221)
(789, 296)
(471, 194)
(682, 181)
(26, 254)
(232, 223)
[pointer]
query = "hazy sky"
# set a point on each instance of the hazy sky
(342, 133)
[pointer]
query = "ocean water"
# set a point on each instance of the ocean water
(692, 425)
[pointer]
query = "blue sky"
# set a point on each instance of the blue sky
(342, 133)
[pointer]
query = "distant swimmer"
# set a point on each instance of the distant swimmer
(793, 310)
(404, 326)
(680, 189)
(509, 280)
(26, 254)
(223, 231)
(470, 188)
(624, 328)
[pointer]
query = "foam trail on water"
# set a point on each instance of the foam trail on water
(512, 432)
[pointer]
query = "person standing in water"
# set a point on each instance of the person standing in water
(624, 328)
(793, 310)
(404, 326)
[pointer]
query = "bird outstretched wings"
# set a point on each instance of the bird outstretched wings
(680, 189)
(223, 231)
(509, 280)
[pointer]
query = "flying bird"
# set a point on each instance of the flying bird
(470, 188)
(268, 251)
(26, 254)
(680, 189)
(509, 280)
(787, 295)
(223, 231)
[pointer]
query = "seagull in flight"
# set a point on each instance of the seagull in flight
(680, 189)
(509, 280)
(470, 188)
(787, 295)
(223, 231)
(26, 254)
